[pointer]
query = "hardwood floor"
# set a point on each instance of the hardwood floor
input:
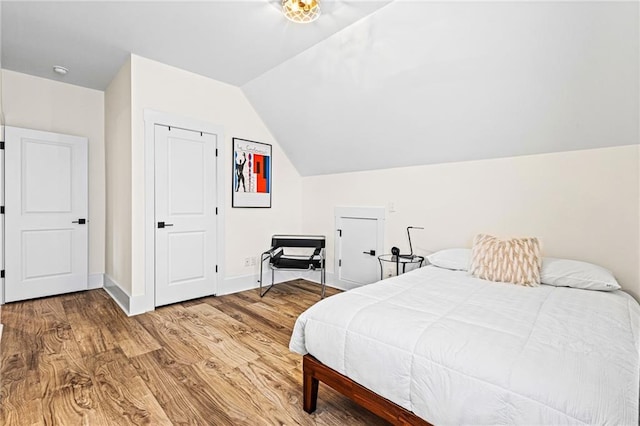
(78, 360)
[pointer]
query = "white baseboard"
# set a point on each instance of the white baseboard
(332, 281)
(237, 284)
(96, 281)
(117, 294)
(137, 304)
(130, 305)
(342, 285)
(250, 282)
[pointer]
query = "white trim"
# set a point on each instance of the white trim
(2, 242)
(137, 305)
(146, 302)
(377, 213)
(250, 282)
(237, 284)
(130, 305)
(95, 281)
(329, 278)
(116, 292)
(361, 212)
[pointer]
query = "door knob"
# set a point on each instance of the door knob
(164, 225)
(80, 221)
(370, 252)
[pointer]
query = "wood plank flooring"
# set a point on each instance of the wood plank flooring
(76, 359)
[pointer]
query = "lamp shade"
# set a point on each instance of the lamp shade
(301, 11)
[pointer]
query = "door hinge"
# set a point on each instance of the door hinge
(2, 274)
(1, 209)
(216, 210)
(340, 262)
(169, 128)
(216, 269)
(1, 145)
(216, 152)
(340, 232)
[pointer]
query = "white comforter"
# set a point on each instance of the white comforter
(458, 350)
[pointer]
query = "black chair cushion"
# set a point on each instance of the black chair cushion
(294, 263)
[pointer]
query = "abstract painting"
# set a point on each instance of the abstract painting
(251, 174)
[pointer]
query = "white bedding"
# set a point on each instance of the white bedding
(458, 350)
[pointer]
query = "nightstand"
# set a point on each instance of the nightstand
(403, 260)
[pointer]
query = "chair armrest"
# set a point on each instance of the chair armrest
(272, 252)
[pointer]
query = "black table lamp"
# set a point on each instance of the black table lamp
(409, 228)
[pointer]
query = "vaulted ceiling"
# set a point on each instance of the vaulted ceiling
(433, 82)
(371, 84)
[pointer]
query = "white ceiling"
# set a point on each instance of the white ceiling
(432, 82)
(371, 84)
(230, 41)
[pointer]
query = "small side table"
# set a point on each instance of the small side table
(403, 260)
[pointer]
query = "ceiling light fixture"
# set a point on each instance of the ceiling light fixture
(301, 11)
(60, 70)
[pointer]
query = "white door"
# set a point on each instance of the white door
(46, 193)
(359, 243)
(185, 198)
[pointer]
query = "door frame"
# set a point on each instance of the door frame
(2, 242)
(151, 119)
(376, 213)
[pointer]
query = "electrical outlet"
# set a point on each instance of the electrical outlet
(247, 262)
(253, 261)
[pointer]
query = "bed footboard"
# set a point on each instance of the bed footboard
(314, 372)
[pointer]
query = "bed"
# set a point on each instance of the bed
(447, 348)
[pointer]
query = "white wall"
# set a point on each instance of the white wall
(582, 204)
(41, 104)
(118, 178)
(247, 231)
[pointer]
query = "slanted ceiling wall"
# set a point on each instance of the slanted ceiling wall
(426, 82)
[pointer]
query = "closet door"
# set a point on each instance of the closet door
(185, 210)
(359, 242)
(46, 194)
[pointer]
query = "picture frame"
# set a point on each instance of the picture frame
(252, 178)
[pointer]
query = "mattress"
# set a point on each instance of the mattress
(454, 349)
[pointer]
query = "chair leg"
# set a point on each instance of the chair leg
(322, 279)
(261, 278)
(260, 281)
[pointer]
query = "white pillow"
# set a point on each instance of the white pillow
(456, 259)
(576, 274)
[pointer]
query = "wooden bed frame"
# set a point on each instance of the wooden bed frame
(314, 371)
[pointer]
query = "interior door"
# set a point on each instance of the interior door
(46, 246)
(357, 246)
(185, 198)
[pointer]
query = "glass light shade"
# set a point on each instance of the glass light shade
(301, 11)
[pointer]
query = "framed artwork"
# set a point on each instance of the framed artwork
(251, 174)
